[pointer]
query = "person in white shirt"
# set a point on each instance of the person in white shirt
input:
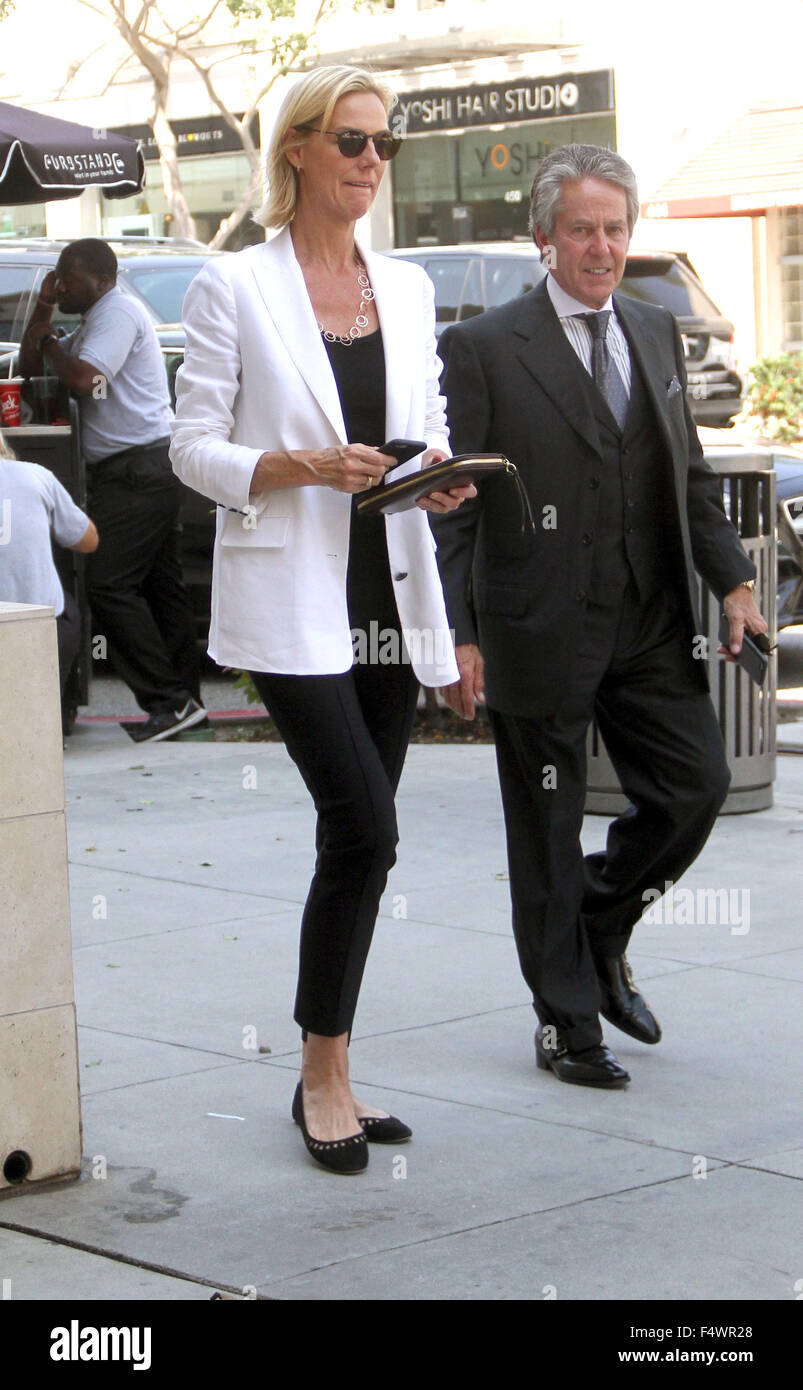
(33, 508)
(114, 364)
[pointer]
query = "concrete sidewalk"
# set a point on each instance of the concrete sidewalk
(189, 863)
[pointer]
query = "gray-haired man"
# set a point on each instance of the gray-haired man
(593, 615)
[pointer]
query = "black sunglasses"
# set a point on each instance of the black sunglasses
(352, 142)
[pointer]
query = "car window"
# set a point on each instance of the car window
(162, 287)
(448, 274)
(472, 302)
(16, 283)
(675, 288)
(506, 277)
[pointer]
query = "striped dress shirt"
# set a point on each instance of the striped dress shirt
(579, 333)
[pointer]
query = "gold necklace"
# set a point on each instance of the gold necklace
(361, 321)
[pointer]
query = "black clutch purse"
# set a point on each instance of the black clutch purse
(439, 477)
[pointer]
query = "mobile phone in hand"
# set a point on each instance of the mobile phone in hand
(754, 656)
(402, 450)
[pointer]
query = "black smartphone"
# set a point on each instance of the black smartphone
(402, 450)
(754, 656)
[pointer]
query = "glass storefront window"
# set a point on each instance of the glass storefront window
(792, 296)
(26, 219)
(213, 185)
(791, 229)
(475, 185)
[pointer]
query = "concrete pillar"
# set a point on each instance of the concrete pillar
(774, 291)
(40, 1118)
(75, 217)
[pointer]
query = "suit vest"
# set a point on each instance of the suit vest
(637, 534)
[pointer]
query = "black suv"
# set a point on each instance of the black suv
(471, 278)
(155, 270)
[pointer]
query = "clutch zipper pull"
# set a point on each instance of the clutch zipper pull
(526, 509)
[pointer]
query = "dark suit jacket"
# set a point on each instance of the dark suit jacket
(514, 385)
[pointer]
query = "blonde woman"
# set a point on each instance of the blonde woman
(304, 355)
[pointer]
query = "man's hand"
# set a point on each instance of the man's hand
(743, 613)
(48, 290)
(30, 356)
(464, 695)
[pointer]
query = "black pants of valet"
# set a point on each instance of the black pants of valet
(348, 736)
(663, 738)
(136, 589)
(68, 636)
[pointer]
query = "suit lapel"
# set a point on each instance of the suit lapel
(550, 358)
(284, 291)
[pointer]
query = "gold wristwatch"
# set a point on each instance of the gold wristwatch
(747, 584)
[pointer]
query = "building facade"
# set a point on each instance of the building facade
(486, 88)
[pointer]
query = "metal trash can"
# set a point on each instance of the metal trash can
(746, 712)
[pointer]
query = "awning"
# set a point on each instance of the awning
(43, 158)
(757, 163)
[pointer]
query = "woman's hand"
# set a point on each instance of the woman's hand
(344, 467)
(348, 467)
(443, 501)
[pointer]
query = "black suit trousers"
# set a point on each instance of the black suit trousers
(661, 732)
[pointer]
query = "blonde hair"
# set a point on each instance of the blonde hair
(310, 101)
(6, 451)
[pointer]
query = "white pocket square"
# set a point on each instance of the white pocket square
(673, 388)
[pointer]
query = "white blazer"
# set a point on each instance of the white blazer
(256, 377)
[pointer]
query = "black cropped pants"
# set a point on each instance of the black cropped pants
(348, 736)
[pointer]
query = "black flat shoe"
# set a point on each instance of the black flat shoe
(622, 1004)
(384, 1129)
(338, 1155)
(594, 1066)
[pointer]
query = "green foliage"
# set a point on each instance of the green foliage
(261, 9)
(775, 396)
(245, 683)
(285, 49)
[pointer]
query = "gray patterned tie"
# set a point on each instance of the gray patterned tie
(603, 368)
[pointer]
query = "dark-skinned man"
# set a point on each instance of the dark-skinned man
(113, 363)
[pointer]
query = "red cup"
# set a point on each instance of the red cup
(10, 402)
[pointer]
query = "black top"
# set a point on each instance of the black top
(359, 372)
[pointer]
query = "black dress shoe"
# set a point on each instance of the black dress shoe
(594, 1066)
(384, 1129)
(338, 1155)
(622, 1005)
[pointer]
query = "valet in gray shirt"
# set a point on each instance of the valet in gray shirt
(130, 403)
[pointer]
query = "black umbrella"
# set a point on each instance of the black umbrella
(43, 158)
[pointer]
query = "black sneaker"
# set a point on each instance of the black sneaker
(167, 723)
